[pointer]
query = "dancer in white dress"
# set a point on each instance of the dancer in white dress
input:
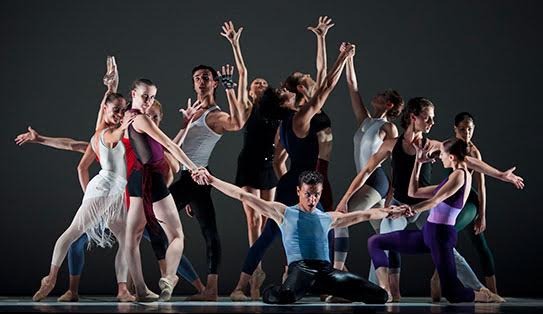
(103, 204)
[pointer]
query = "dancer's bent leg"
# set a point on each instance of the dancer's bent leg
(299, 280)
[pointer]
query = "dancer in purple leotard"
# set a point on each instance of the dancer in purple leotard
(438, 236)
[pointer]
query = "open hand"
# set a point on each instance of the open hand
(192, 110)
(27, 137)
(230, 33)
(509, 176)
(325, 23)
(225, 76)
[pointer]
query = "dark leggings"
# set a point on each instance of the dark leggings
(159, 242)
(465, 222)
(321, 278)
(436, 239)
(186, 191)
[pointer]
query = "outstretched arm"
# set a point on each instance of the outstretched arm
(325, 23)
(143, 124)
(506, 176)
(360, 111)
(341, 220)
(63, 143)
(484, 168)
(375, 160)
(83, 168)
(273, 210)
(302, 119)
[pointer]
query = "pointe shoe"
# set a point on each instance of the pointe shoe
(126, 297)
(166, 289)
(68, 296)
(256, 282)
(150, 296)
(334, 299)
(435, 289)
(239, 296)
(45, 288)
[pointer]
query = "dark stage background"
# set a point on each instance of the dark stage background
(483, 57)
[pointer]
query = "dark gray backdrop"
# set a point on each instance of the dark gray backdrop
(484, 57)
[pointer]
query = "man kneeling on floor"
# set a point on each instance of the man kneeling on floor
(304, 230)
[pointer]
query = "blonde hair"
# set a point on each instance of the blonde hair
(158, 105)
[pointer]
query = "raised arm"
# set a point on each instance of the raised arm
(280, 157)
(143, 124)
(273, 210)
(302, 118)
(325, 23)
(229, 32)
(111, 81)
(375, 160)
(83, 167)
(63, 143)
(360, 111)
(454, 183)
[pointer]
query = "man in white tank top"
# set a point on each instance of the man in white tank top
(208, 125)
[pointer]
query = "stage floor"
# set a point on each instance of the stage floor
(99, 304)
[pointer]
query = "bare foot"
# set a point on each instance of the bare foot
(69, 296)
(46, 287)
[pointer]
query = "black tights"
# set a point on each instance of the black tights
(321, 277)
(186, 191)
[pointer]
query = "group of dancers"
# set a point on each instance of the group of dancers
(146, 178)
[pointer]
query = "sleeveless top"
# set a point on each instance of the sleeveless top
(112, 160)
(320, 121)
(367, 141)
(303, 152)
(305, 234)
(259, 138)
(201, 140)
(446, 212)
(402, 166)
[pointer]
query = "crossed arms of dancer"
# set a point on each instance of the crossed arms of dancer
(276, 210)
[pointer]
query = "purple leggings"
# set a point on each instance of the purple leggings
(436, 239)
